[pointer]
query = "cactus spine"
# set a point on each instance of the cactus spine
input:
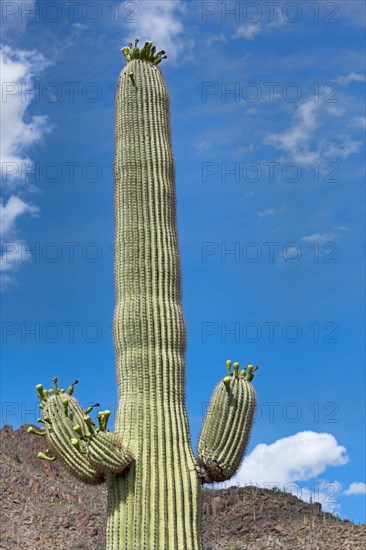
(154, 480)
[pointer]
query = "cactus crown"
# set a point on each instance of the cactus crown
(148, 52)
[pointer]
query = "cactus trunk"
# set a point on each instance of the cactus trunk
(157, 503)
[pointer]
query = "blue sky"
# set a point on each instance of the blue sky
(268, 127)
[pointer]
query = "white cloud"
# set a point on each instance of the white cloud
(9, 212)
(360, 121)
(201, 146)
(18, 69)
(216, 38)
(303, 142)
(352, 77)
(13, 254)
(278, 16)
(299, 457)
(275, 18)
(160, 21)
(356, 488)
(243, 150)
(267, 212)
(343, 149)
(12, 250)
(295, 140)
(248, 31)
(19, 133)
(319, 237)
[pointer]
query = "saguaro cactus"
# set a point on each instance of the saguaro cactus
(154, 480)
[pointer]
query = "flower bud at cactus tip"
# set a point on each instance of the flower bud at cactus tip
(77, 429)
(236, 370)
(39, 388)
(228, 367)
(227, 382)
(76, 443)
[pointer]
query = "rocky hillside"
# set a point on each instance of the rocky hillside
(41, 506)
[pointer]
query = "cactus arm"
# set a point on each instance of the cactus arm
(88, 452)
(226, 429)
(107, 454)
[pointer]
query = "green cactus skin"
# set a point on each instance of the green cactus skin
(106, 453)
(154, 480)
(225, 433)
